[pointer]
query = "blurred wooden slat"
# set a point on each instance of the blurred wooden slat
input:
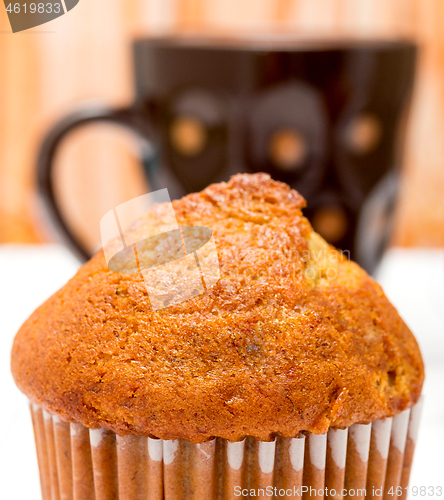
(43, 75)
(282, 11)
(19, 88)
(159, 17)
(421, 204)
(190, 14)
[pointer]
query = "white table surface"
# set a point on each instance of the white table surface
(412, 279)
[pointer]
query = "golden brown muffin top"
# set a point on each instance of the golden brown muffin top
(293, 337)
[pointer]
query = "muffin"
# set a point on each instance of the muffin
(292, 375)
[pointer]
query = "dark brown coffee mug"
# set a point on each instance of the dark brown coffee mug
(325, 117)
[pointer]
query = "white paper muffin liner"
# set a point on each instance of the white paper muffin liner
(77, 463)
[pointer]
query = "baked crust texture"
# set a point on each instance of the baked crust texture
(292, 338)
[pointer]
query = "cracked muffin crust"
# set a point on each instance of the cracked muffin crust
(293, 337)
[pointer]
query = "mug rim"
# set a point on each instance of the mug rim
(274, 42)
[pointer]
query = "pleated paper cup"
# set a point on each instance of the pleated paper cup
(370, 461)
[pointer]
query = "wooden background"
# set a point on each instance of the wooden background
(46, 71)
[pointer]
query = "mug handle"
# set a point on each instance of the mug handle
(128, 118)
